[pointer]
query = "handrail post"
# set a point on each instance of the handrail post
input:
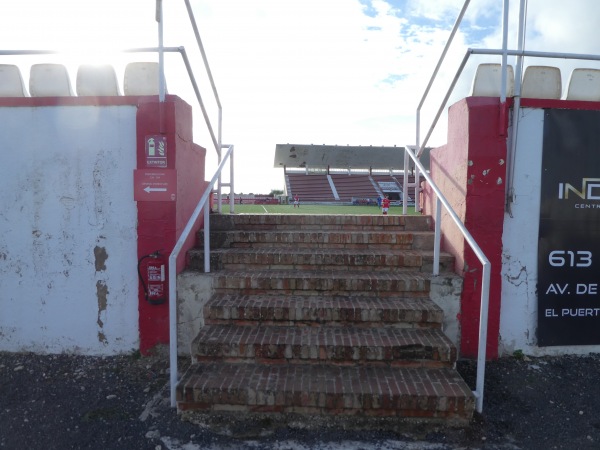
(207, 238)
(173, 368)
(437, 237)
(417, 189)
(219, 184)
(231, 187)
(483, 327)
(405, 184)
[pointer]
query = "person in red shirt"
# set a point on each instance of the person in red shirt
(385, 205)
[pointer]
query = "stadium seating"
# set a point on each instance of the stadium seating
(11, 81)
(97, 80)
(49, 80)
(488, 80)
(584, 84)
(141, 78)
(353, 186)
(542, 82)
(314, 188)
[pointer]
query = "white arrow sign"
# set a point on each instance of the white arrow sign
(153, 185)
(148, 189)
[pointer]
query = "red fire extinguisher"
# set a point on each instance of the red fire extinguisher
(152, 270)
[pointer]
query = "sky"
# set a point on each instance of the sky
(336, 72)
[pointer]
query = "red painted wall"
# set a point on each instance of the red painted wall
(471, 172)
(160, 223)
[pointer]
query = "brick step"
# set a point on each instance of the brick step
(376, 222)
(407, 347)
(395, 240)
(322, 315)
(316, 311)
(312, 259)
(330, 390)
(323, 282)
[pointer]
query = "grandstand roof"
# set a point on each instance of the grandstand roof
(339, 157)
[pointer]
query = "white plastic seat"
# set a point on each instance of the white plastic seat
(49, 80)
(488, 81)
(141, 78)
(11, 81)
(97, 80)
(542, 82)
(584, 84)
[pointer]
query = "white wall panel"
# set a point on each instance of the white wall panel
(68, 229)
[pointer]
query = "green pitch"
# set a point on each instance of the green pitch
(314, 209)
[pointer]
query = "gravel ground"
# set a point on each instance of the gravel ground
(78, 402)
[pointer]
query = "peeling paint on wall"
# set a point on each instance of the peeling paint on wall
(102, 295)
(521, 277)
(100, 257)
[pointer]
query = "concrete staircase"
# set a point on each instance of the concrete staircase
(323, 315)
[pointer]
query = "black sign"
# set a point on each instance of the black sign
(569, 235)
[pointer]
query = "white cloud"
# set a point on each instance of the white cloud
(439, 10)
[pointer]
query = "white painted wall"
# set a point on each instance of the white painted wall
(518, 316)
(68, 240)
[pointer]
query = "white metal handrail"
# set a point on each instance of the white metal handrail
(423, 98)
(206, 65)
(441, 200)
(202, 205)
(485, 284)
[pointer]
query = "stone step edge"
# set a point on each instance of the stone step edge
(322, 232)
(408, 239)
(360, 253)
(347, 345)
(293, 258)
(274, 221)
(317, 310)
(371, 391)
(323, 281)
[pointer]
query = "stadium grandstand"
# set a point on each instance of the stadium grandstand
(345, 174)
